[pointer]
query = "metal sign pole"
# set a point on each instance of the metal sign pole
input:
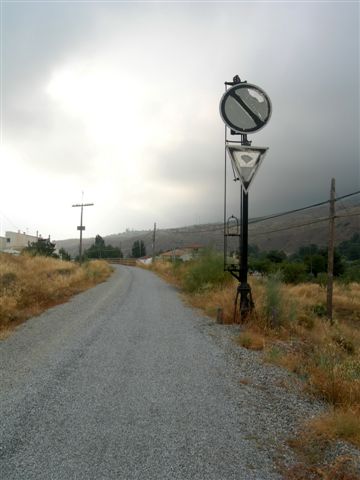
(244, 108)
(244, 289)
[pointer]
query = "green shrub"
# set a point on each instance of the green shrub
(352, 273)
(293, 272)
(205, 272)
(263, 266)
(322, 279)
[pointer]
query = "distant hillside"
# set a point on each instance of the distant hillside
(276, 233)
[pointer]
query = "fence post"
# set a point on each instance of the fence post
(329, 302)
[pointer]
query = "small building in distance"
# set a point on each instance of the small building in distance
(147, 260)
(16, 241)
(2, 243)
(184, 254)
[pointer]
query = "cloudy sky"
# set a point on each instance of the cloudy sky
(120, 100)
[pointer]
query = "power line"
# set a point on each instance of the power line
(348, 195)
(318, 220)
(276, 215)
(347, 215)
(292, 226)
(197, 231)
(269, 217)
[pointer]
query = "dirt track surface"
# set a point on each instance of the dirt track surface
(126, 382)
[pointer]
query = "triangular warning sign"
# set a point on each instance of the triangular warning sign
(246, 161)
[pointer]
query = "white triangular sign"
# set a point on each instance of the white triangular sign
(246, 161)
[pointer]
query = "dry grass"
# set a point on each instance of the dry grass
(30, 285)
(211, 300)
(343, 423)
(311, 445)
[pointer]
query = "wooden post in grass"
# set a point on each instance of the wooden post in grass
(153, 244)
(329, 303)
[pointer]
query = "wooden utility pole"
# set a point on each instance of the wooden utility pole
(153, 244)
(81, 227)
(329, 303)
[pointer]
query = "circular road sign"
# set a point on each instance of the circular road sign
(245, 108)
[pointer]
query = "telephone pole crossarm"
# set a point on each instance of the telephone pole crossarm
(83, 205)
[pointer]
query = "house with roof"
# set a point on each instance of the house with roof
(183, 254)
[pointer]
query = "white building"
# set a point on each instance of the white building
(145, 260)
(16, 241)
(2, 243)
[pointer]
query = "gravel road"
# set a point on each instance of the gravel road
(126, 382)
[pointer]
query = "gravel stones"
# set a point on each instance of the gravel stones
(126, 382)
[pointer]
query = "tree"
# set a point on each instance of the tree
(260, 265)
(99, 249)
(99, 242)
(315, 264)
(138, 249)
(43, 247)
(305, 250)
(113, 252)
(293, 272)
(64, 255)
(339, 267)
(276, 256)
(350, 249)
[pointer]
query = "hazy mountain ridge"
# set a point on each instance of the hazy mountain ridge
(262, 233)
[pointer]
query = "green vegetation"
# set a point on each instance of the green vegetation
(64, 255)
(205, 272)
(138, 249)
(309, 262)
(350, 249)
(99, 249)
(43, 247)
(294, 272)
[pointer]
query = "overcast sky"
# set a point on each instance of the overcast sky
(120, 100)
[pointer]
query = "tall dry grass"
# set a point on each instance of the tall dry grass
(29, 285)
(325, 356)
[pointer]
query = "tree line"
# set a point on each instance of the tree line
(309, 261)
(99, 249)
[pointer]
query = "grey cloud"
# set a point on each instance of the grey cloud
(305, 55)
